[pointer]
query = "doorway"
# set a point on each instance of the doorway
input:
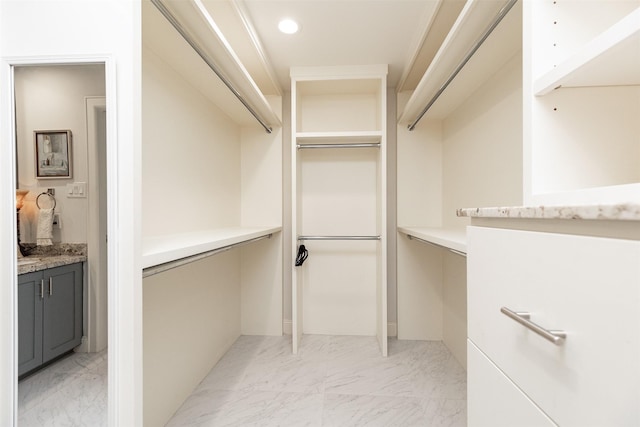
(70, 96)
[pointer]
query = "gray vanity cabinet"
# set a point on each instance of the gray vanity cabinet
(29, 322)
(49, 314)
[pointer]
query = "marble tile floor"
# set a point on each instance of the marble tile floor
(333, 381)
(71, 392)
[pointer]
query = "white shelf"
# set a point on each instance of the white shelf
(500, 46)
(162, 39)
(161, 249)
(356, 136)
(611, 59)
(455, 239)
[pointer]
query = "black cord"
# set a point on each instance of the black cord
(303, 253)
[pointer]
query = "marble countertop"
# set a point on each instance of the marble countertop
(42, 262)
(620, 212)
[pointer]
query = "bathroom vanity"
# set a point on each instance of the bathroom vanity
(49, 308)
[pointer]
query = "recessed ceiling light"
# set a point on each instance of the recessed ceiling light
(288, 26)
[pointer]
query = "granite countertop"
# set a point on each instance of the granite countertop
(36, 263)
(56, 255)
(620, 212)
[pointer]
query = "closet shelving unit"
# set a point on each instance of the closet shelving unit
(339, 201)
(475, 17)
(465, 150)
(164, 35)
(582, 136)
(211, 183)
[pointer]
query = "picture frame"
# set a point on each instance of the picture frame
(53, 154)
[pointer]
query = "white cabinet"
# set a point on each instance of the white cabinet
(586, 287)
(582, 102)
(339, 201)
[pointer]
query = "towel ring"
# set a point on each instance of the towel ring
(44, 193)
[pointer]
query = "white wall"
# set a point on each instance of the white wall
(105, 31)
(53, 98)
(419, 174)
(482, 147)
(191, 156)
(454, 305)
(188, 328)
(261, 204)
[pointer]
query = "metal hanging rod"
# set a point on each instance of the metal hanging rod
(187, 37)
(356, 145)
(487, 32)
(411, 237)
(338, 238)
(150, 271)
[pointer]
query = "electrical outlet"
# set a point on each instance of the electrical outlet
(57, 221)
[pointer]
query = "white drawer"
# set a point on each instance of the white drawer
(493, 400)
(590, 288)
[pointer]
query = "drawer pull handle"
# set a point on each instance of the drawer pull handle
(556, 337)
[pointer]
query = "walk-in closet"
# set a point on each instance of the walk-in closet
(372, 212)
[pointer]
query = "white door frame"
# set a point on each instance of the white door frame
(97, 262)
(124, 305)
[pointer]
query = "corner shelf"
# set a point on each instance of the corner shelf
(452, 239)
(162, 249)
(610, 59)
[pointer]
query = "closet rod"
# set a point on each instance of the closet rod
(410, 237)
(355, 145)
(503, 12)
(150, 271)
(338, 237)
(185, 35)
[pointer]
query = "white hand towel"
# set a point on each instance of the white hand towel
(45, 227)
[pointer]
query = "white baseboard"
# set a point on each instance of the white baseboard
(392, 329)
(287, 327)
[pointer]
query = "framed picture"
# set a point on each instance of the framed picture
(53, 154)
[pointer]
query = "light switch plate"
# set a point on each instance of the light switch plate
(77, 190)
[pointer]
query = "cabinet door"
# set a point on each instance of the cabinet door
(29, 321)
(493, 400)
(62, 322)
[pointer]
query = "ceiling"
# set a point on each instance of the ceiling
(338, 32)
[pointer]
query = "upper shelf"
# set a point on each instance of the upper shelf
(447, 238)
(504, 42)
(162, 249)
(610, 59)
(336, 137)
(161, 38)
